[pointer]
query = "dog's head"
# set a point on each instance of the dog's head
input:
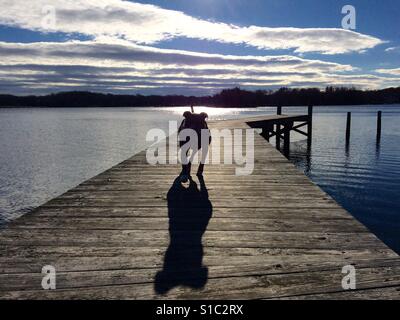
(195, 120)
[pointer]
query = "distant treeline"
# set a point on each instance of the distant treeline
(226, 98)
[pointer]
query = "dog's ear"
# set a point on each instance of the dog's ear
(187, 114)
(204, 115)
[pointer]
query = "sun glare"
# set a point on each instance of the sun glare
(213, 113)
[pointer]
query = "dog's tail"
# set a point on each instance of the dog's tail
(191, 108)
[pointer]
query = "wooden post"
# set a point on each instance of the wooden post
(286, 140)
(278, 129)
(266, 132)
(309, 126)
(348, 127)
(379, 127)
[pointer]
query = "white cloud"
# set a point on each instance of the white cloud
(149, 24)
(125, 54)
(105, 66)
(392, 49)
(395, 72)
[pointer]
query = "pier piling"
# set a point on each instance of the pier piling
(286, 138)
(309, 126)
(278, 129)
(348, 127)
(379, 127)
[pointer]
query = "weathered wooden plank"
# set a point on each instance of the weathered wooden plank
(212, 193)
(317, 240)
(251, 287)
(191, 222)
(225, 188)
(382, 293)
(56, 251)
(274, 261)
(98, 278)
(272, 213)
(160, 201)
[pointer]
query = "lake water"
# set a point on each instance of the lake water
(44, 152)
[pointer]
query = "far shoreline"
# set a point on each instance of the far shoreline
(216, 107)
(227, 98)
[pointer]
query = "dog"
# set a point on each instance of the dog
(197, 123)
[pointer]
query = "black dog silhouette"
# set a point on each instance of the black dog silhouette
(189, 211)
(198, 123)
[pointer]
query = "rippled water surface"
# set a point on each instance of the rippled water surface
(44, 152)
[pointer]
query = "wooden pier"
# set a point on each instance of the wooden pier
(134, 232)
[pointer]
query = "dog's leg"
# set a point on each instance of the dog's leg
(204, 152)
(200, 170)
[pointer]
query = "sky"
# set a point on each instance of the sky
(196, 47)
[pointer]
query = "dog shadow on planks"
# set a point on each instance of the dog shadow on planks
(189, 211)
